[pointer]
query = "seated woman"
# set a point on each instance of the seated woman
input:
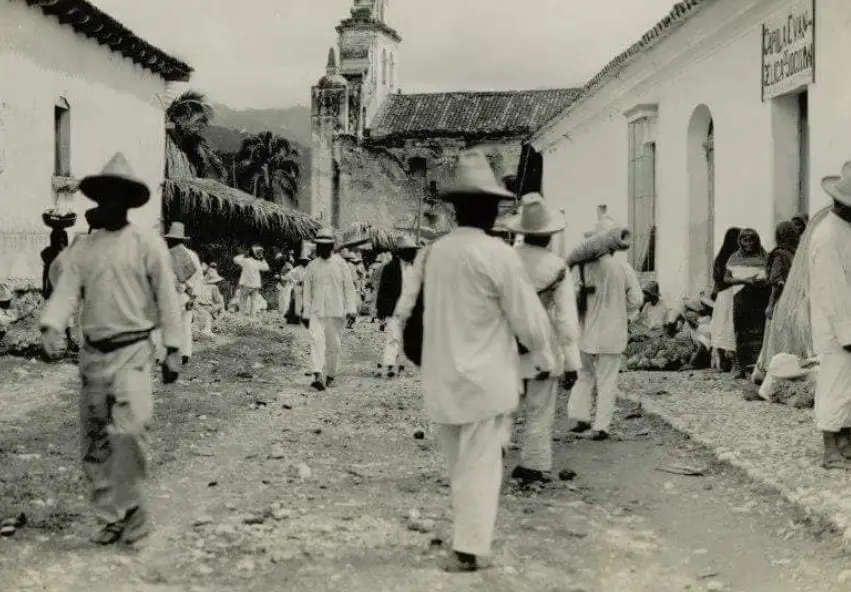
(653, 314)
(694, 320)
(747, 270)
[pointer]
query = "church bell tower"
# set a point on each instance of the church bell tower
(347, 98)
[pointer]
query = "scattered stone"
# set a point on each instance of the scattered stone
(686, 470)
(844, 577)
(414, 514)
(424, 526)
(277, 453)
(566, 475)
(509, 570)
(7, 530)
(419, 435)
(287, 406)
(304, 472)
(715, 586)
(281, 514)
(203, 520)
(707, 574)
(204, 570)
(253, 519)
(257, 366)
(212, 483)
(317, 431)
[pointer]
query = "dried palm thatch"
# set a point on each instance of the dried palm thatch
(361, 233)
(197, 199)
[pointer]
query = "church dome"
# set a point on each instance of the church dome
(333, 81)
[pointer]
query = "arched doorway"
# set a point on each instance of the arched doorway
(701, 201)
(335, 194)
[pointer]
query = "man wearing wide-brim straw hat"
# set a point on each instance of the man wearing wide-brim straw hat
(829, 261)
(190, 281)
(478, 299)
(328, 300)
(542, 369)
(122, 277)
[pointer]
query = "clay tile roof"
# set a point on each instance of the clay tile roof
(679, 14)
(468, 114)
(88, 20)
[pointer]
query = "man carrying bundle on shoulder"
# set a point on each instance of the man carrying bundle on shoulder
(609, 292)
(541, 370)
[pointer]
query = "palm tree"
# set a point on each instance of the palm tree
(270, 167)
(186, 118)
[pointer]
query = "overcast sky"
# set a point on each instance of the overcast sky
(267, 53)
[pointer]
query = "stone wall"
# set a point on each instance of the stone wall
(376, 186)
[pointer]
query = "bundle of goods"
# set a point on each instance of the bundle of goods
(599, 245)
(657, 351)
(790, 381)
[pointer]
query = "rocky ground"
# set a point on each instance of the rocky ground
(260, 484)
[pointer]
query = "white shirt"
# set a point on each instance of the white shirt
(128, 282)
(407, 275)
(329, 290)
(251, 268)
(830, 285)
(562, 351)
(477, 299)
(617, 294)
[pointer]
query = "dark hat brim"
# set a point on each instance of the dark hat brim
(98, 188)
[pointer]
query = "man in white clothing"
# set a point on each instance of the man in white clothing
(250, 280)
(542, 370)
(329, 301)
(478, 302)
(190, 281)
(122, 278)
(613, 292)
(829, 259)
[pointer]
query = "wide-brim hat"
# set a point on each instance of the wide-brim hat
(324, 237)
(474, 177)
(787, 367)
(652, 289)
(534, 219)
(5, 294)
(116, 182)
(177, 231)
(839, 187)
(213, 277)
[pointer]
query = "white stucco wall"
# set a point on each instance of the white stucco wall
(115, 105)
(714, 60)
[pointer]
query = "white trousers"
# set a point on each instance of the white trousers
(473, 453)
(598, 379)
(327, 340)
(298, 291)
(393, 353)
(285, 298)
(833, 392)
(539, 405)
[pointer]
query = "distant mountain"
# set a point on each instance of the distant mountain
(292, 123)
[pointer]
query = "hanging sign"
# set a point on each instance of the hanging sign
(788, 51)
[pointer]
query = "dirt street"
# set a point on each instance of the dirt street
(260, 484)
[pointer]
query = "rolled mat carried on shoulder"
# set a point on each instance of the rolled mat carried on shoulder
(598, 245)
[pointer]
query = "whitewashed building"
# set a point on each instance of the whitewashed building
(727, 113)
(75, 87)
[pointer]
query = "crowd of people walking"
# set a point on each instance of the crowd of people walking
(496, 329)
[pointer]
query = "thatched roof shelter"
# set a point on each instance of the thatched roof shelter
(221, 210)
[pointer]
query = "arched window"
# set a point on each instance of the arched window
(384, 67)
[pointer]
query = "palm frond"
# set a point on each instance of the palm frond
(197, 199)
